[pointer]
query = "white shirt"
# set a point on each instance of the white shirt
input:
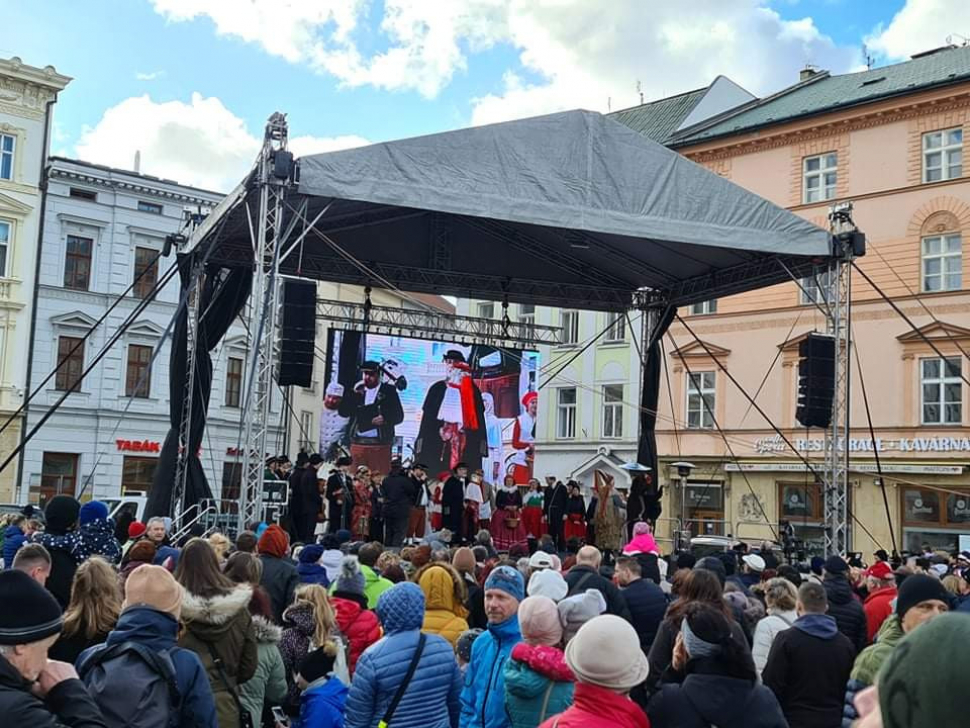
(369, 396)
(473, 492)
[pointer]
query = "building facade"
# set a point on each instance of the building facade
(27, 97)
(103, 229)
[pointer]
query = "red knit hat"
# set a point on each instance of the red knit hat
(136, 529)
(274, 542)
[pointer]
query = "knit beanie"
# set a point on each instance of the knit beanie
(311, 554)
(343, 536)
(167, 556)
(641, 528)
(155, 587)
(920, 683)
(465, 641)
(548, 583)
(319, 663)
(606, 652)
(835, 564)
(539, 621)
(136, 529)
(92, 511)
(143, 551)
(715, 565)
(274, 542)
(508, 580)
(919, 588)
(577, 610)
(464, 561)
(61, 514)
(29, 613)
(351, 580)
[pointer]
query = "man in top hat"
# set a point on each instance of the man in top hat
(374, 409)
(453, 427)
(339, 486)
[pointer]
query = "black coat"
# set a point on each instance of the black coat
(576, 505)
(310, 493)
(67, 704)
(280, 579)
(615, 603)
(557, 498)
(453, 504)
(429, 447)
(387, 405)
(295, 501)
(647, 604)
(61, 578)
(662, 651)
(847, 610)
(398, 495)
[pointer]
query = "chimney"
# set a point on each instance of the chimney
(137, 161)
(807, 72)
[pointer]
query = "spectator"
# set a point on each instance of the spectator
(156, 531)
(810, 696)
(149, 619)
(483, 696)
(607, 661)
(464, 563)
(577, 610)
(36, 692)
(309, 621)
(35, 561)
(720, 686)
(644, 599)
(221, 544)
(168, 557)
(538, 682)
(881, 586)
(280, 577)
(430, 699)
(218, 628)
(61, 540)
(585, 575)
(843, 603)
(140, 554)
(246, 542)
(324, 697)
(96, 533)
(643, 541)
(548, 583)
(13, 538)
(752, 567)
(781, 598)
(136, 532)
(357, 624)
(93, 610)
(310, 569)
(444, 601)
(374, 584)
(464, 649)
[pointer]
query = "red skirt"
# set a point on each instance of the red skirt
(574, 527)
(503, 535)
(532, 521)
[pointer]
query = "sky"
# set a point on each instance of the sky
(190, 83)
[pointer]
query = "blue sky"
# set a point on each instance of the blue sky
(213, 70)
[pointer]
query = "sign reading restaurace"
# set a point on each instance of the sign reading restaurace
(903, 444)
(138, 446)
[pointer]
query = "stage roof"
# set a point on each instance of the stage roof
(571, 209)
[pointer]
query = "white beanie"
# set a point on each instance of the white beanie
(577, 610)
(548, 583)
(606, 652)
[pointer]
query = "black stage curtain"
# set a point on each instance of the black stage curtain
(650, 396)
(224, 292)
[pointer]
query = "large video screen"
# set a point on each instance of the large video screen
(432, 402)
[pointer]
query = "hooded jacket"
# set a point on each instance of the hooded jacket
(268, 683)
(158, 631)
(483, 696)
(867, 666)
(847, 610)
(357, 623)
(431, 699)
(279, 579)
(313, 573)
(298, 629)
(878, 606)
(538, 684)
(766, 631)
(597, 707)
(807, 669)
(98, 538)
(322, 704)
(444, 594)
(221, 627)
(13, 539)
(67, 704)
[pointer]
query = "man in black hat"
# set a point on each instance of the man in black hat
(294, 507)
(453, 502)
(374, 409)
(311, 502)
(339, 486)
(453, 420)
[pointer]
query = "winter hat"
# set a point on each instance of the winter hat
(549, 548)
(540, 560)
(143, 551)
(539, 621)
(641, 528)
(464, 561)
(606, 652)
(880, 570)
(575, 611)
(715, 565)
(155, 587)
(274, 542)
(331, 560)
(835, 564)
(343, 536)
(817, 563)
(518, 551)
(508, 580)
(136, 529)
(319, 663)
(548, 583)
(166, 556)
(686, 560)
(754, 562)
(918, 588)
(350, 580)
(311, 554)
(30, 613)
(61, 514)
(730, 562)
(465, 641)
(92, 511)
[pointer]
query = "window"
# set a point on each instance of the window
(819, 175)
(137, 474)
(700, 400)
(801, 505)
(58, 475)
(704, 508)
(234, 370)
(146, 266)
(934, 518)
(566, 413)
(704, 307)
(83, 194)
(77, 263)
(943, 155)
(4, 247)
(612, 411)
(569, 321)
(152, 207)
(7, 145)
(942, 263)
(942, 391)
(306, 432)
(814, 288)
(486, 310)
(138, 379)
(615, 327)
(70, 361)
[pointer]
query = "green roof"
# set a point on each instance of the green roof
(823, 93)
(658, 120)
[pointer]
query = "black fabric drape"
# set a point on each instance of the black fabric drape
(650, 396)
(223, 293)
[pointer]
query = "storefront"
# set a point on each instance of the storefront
(934, 517)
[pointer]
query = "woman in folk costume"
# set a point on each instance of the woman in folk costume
(457, 412)
(492, 463)
(435, 511)
(532, 510)
(488, 503)
(507, 527)
(610, 514)
(473, 503)
(523, 439)
(575, 525)
(360, 522)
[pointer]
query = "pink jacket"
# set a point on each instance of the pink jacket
(642, 544)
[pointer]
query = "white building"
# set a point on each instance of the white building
(102, 228)
(27, 97)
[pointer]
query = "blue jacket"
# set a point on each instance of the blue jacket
(13, 539)
(97, 538)
(432, 697)
(313, 574)
(158, 631)
(483, 697)
(322, 704)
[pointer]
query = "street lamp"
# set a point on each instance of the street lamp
(683, 473)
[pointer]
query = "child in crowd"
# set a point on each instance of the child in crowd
(324, 696)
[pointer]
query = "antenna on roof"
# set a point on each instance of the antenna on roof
(867, 56)
(640, 91)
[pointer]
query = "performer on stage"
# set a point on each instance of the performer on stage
(507, 529)
(453, 502)
(575, 526)
(338, 485)
(363, 508)
(374, 410)
(333, 425)
(418, 519)
(610, 514)
(557, 497)
(523, 439)
(532, 512)
(488, 503)
(473, 504)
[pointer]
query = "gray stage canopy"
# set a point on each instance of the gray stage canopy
(570, 209)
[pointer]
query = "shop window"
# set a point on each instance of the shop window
(58, 475)
(137, 474)
(231, 481)
(933, 518)
(704, 509)
(802, 506)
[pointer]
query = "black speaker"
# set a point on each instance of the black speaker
(816, 380)
(298, 333)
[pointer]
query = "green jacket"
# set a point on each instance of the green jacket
(269, 683)
(867, 664)
(374, 585)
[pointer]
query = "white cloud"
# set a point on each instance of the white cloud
(200, 143)
(921, 25)
(149, 76)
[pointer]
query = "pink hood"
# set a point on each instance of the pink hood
(549, 662)
(642, 544)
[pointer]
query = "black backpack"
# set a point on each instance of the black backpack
(133, 685)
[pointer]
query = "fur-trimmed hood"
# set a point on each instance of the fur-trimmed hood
(267, 633)
(215, 611)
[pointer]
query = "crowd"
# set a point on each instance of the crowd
(458, 629)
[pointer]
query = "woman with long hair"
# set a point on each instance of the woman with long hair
(218, 627)
(92, 612)
(507, 527)
(360, 521)
(308, 623)
(720, 685)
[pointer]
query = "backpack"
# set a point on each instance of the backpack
(133, 685)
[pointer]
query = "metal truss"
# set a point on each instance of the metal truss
(188, 401)
(425, 324)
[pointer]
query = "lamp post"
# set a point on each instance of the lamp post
(683, 469)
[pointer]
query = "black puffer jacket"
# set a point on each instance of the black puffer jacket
(280, 579)
(68, 704)
(847, 610)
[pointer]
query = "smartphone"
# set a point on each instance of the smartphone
(279, 716)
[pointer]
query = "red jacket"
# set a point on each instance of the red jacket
(878, 606)
(358, 625)
(596, 707)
